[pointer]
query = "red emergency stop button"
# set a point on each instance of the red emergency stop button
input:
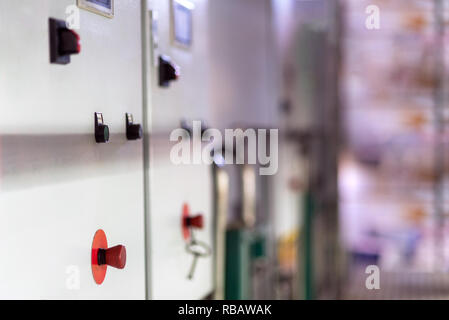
(195, 222)
(102, 256)
(114, 257)
(190, 221)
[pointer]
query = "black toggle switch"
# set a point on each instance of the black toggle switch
(168, 71)
(101, 130)
(133, 131)
(63, 42)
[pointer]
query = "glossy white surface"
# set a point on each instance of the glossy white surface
(57, 186)
(42, 98)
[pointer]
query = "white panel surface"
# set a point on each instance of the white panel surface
(173, 185)
(42, 98)
(188, 97)
(57, 186)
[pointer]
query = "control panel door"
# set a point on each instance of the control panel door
(180, 197)
(59, 182)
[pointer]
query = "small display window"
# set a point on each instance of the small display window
(103, 7)
(182, 22)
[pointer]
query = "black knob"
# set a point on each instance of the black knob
(168, 71)
(101, 130)
(102, 134)
(133, 131)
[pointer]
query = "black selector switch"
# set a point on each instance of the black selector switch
(69, 42)
(63, 42)
(133, 131)
(168, 71)
(101, 130)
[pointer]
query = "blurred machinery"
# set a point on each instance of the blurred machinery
(308, 34)
(393, 165)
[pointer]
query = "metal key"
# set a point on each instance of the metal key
(192, 247)
(192, 268)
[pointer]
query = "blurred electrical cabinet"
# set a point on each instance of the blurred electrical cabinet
(58, 185)
(243, 95)
(312, 123)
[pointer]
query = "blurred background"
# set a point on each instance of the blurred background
(375, 144)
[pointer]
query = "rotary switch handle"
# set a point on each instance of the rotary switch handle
(101, 130)
(133, 130)
(168, 71)
(114, 257)
(64, 42)
(69, 42)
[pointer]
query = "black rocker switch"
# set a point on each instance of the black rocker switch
(168, 71)
(133, 131)
(63, 42)
(101, 130)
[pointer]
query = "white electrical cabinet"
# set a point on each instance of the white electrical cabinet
(181, 34)
(57, 185)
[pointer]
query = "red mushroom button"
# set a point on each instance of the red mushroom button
(114, 257)
(190, 221)
(195, 222)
